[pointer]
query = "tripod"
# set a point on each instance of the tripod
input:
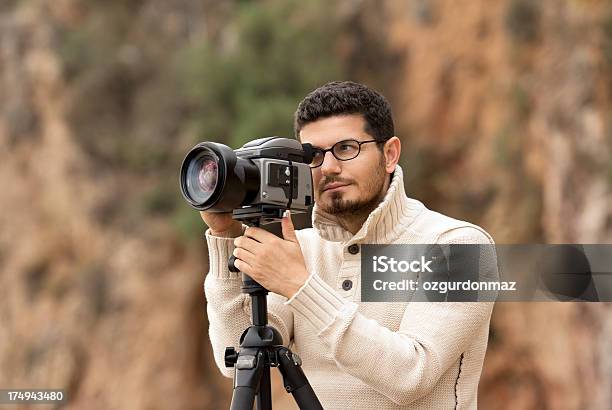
(261, 345)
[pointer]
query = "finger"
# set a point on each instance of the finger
(247, 243)
(288, 228)
(260, 235)
(243, 267)
(244, 255)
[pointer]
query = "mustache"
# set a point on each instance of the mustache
(331, 180)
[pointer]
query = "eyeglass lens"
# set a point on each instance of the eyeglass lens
(343, 150)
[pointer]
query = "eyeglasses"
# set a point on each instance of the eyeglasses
(342, 151)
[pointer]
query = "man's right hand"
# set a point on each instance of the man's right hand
(222, 224)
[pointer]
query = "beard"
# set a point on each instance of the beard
(360, 208)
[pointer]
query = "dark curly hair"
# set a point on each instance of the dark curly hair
(344, 98)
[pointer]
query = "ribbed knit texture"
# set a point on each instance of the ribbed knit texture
(365, 355)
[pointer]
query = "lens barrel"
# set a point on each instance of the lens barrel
(214, 179)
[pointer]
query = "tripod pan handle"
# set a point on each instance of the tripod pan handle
(230, 264)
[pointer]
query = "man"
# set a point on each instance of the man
(420, 355)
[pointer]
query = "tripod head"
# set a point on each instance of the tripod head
(259, 216)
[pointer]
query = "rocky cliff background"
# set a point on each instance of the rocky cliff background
(504, 113)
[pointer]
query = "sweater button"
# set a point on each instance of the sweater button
(347, 284)
(353, 249)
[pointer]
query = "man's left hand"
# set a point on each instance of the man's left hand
(275, 263)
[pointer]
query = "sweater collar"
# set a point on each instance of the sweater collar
(384, 224)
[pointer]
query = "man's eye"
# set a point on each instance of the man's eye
(346, 147)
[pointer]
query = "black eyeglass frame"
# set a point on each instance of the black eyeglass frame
(331, 149)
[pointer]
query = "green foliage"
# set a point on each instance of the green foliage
(95, 285)
(75, 53)
(507, 147)
(606, 26)
(510, 137)
(522, 102)
(187, 223)
(8, 5)
(161, 200)
(609, 146)
(142, 98)
(95, 42)
(250, 86)
(523, 21)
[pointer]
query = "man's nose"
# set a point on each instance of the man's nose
(330, 165)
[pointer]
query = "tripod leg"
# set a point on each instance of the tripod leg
(295, 380)
(264, 396)
(306, 398)
(250, 367)
(243, 398)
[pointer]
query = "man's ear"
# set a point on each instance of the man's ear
(392, 150)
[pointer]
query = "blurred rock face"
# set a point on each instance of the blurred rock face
(101, 295)
(515, 90)
(114, 317)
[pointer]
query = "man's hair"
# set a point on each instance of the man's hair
(345, 98)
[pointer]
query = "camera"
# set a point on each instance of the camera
(270, 173)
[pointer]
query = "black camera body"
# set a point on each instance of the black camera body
(270, 172)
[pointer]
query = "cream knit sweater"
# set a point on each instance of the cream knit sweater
(419, 355)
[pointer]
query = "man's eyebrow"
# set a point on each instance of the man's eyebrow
(344, 139)
(316, 147)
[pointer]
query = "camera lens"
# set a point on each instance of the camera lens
(214, 179)
(202, 177)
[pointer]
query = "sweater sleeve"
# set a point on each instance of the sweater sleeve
(406, 364)
(229, 310)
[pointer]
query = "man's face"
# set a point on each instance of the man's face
(346, 187)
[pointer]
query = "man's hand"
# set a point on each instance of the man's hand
(276, 264)
(222, 224)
